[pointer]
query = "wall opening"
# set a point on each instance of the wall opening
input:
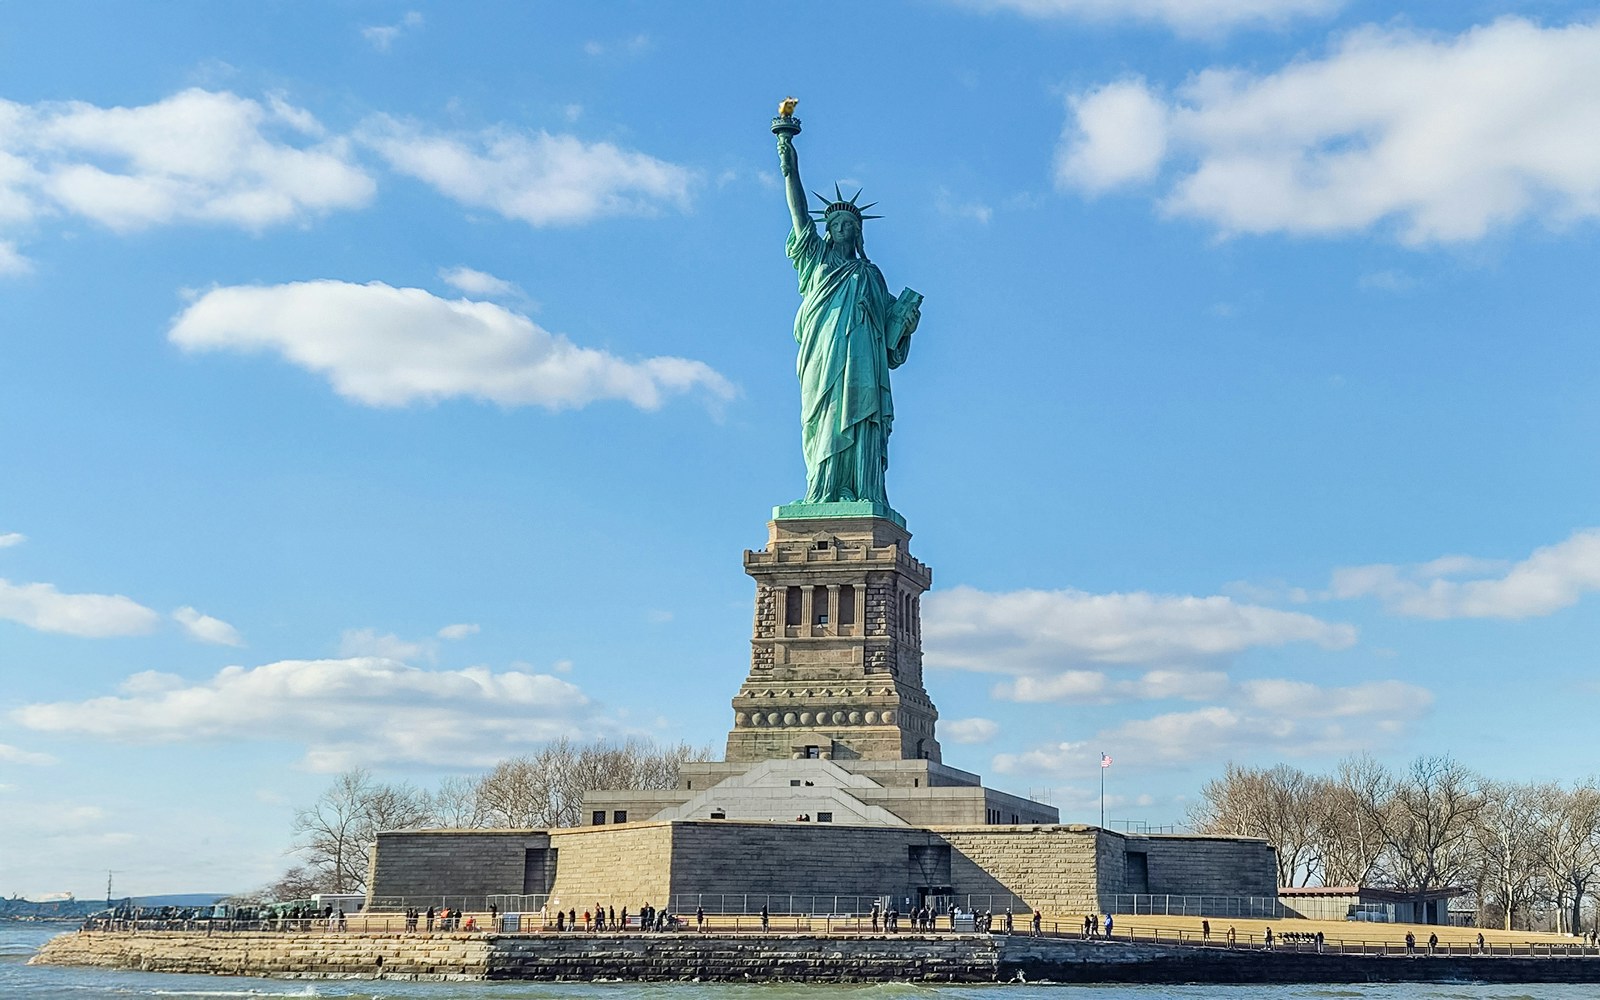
(1137, 873)
(791, 605)
(538, 870)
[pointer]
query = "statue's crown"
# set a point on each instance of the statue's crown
(842, 204)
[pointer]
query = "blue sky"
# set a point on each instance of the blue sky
(397, 385)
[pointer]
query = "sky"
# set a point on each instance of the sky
(397, 385)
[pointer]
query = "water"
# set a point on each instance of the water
(20, 981)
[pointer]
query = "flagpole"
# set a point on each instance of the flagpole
(1102, 789)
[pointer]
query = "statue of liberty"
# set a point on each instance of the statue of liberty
(850, 332)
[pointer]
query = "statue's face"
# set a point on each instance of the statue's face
(843, 228)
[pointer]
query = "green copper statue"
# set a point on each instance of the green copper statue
(851, 332)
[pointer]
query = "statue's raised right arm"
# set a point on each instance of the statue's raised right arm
(789, 164)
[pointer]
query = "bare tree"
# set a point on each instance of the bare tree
(1426, 822)
(546, 788)
(1350, 832)
(456, 804)
(1279, 804)
(335, 834)
(1571, 846)
(1506, 837)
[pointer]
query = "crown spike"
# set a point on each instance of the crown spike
(837, 194)
(865, 217)
(866, 206)
(856, 195)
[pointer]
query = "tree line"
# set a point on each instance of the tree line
(333, 837)
(1527, 853)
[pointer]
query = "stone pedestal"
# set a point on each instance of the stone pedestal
(836, 654)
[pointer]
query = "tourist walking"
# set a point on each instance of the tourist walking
(700, 919)
(430, 919)
(765, 918)
(1269, 938)
(1411, 943)
(1433, 943)
(1230, 935)
(1205, 930)
(1108, 925)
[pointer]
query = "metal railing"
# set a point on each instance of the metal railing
(844, 906)
(1258, 907)
(1220, 937)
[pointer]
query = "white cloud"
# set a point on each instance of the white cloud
(206, 628)
(197, 156)
(386, 346)
(1115, 135)
(471, 282)
(976, 211)
(371, 643)
(1058, 758)
(1049, 633)
(356, 710)
(12, 261)
(539, 178)
(970, 731)
(460, 631)
(1189, 17)
(382, 36)
(15, 755)
(41, 606)
(11, 538)
(631, 46)
(1552, 578)
(1263, 717)
(1093, 686)
(1388, 280)
(1443, 137)
(1278, 717)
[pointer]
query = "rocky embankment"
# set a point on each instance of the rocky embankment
(768, 958)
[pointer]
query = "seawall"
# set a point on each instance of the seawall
(767, 958)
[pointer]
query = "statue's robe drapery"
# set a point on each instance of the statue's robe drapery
(846, 351)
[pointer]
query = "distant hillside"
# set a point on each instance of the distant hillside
(77, 909)
(178, 899)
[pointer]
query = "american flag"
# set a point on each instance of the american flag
(1105, 761)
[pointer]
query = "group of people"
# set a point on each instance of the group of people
(926, 918)
(1433, 943)
(442, 918)
(606, 918)
(1092, 925)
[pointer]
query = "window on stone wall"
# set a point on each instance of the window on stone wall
(599, 817)
(847, 604)
(824, 817)
(620, 816)
(819, 605)
(791, 606)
